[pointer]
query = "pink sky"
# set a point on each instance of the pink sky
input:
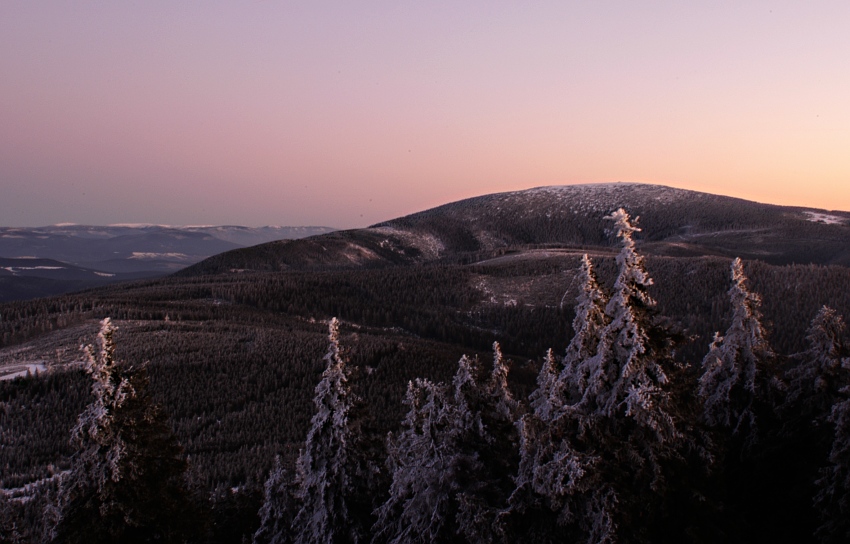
(348, 113)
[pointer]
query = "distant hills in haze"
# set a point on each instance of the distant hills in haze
(675, 222)
(57, 259)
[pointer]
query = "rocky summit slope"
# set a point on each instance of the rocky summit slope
(675, 222)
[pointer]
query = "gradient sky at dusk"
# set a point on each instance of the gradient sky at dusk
(348, 113)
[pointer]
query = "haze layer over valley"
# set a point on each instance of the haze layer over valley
(61, 258)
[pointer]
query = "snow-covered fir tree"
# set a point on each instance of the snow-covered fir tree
(127, 478)
(552, 476)
(327, 464)
(452, 461)
(572, 458)
(626, 374)
(558, 491)
(279, 507)
(833, 497)
(497, 387)
(588, 323)
(546, 400)
(496, 445)
(814, 382)
(422, 459)
(728, 385)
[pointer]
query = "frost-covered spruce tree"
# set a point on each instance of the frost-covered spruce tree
(620, 417)
(728, 385)
(279, 507)
(833, 497)
(550, 471)
(328, 463)
(452, 461)
(546, 400)
(626, 375)
(589, 321)
(504, 405)
(127, 477)
(814, 382)
(495, 443)
(559, 495)
(422, 459)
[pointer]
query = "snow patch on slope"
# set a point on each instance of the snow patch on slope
(828, 219)
(149, 255)
(429, 244)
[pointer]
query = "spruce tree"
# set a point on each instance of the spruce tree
(589, 321)
(553, 479)
(626, 375)
(328, 462)
(546, 400)
(833, 497)
(423, 458)
(453, 460)
(729, 385)
(600, 462)
(127, 478)
(814, 382)
(279, 507)
(819, 393)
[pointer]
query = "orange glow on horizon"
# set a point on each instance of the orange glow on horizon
(340, 115)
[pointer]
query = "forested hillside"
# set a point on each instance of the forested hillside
(685, 398)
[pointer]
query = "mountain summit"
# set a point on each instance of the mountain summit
(674, 222)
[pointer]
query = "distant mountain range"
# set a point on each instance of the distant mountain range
(675, 222)
(61, 258)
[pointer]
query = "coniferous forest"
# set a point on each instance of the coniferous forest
(605, 396)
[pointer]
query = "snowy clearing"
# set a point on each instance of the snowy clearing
(12, 372)
(817, 217)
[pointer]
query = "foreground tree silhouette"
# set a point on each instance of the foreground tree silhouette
(278, 508)
(819, 404)
(328, 464)
(729, 385)
(553, 478)
(127, 479)
(815, 381)
(833, 497)
(452, 461)
(608, 410)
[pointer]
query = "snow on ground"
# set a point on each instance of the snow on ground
(430, 246)
(59, 347)
(817, 217)
(35, 268)
(15, 269)
(12, 372)
(147, 255)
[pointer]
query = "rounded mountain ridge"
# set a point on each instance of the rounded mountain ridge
(674, 222)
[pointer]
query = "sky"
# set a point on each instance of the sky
(345, 114)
